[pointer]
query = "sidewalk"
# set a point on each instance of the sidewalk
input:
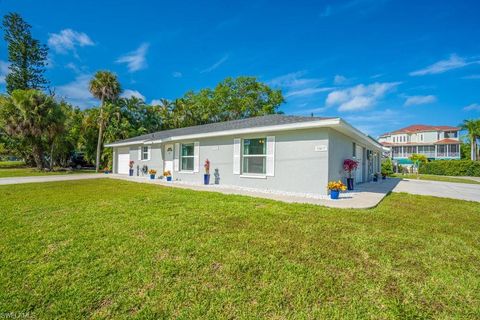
(37, 179)
(367, 195)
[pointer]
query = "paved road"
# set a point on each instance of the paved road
(462, 191)
(67, 177)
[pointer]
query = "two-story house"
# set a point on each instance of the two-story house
(435, 142)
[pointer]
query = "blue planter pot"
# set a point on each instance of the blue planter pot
(130, 173)
(152, 176)
(206, 179)
(334, 194)
(169, 178)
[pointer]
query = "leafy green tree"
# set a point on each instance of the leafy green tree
(105, 87)
(473, 132)
(232, 99)
(417, 160)
(245, 97)
(33, 118)
(27, 56)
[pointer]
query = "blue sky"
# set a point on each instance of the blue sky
(379, 64)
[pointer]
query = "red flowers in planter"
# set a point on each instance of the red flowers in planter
(350, 165)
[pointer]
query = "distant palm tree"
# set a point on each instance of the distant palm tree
(473, 129)
(105, 87)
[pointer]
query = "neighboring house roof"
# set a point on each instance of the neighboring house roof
(443, 141)
(274, 122)
(421, 128)
(447, 141)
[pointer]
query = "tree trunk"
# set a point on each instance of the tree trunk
(37, 152)
(473, 150)
(51, 156)
(100, 136)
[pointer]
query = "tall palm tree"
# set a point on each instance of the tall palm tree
(473, 129)
(105, 87)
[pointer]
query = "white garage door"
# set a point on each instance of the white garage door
(123, 161)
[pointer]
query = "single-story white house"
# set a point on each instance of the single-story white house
(273, 152)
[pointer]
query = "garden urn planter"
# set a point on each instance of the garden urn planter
(152, 177)
(334, 194)
(206, 179)
(130, 172)
(169, 178)
(349, 183)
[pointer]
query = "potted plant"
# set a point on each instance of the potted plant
(349, 166)
(335, 187)
(106, 170)
(130, 164)
(168, 175)
(206, 176)
(384, 174)
(152, 173)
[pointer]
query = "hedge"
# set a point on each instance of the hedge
(451, 168)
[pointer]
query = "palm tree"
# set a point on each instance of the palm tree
(105, 87)
(33, 118)
(473, 129)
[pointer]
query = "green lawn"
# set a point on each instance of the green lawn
(26, 172)
(116, 249)
(11, 164)
(436, 178)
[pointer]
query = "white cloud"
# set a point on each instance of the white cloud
(296, 85)
(306, 92)
(135, 60)
(76, 92)
(177, 74)
(417, 100)
(339, 79)
(452, 63)
(379, 121)
(359, 97)
(127, 93)
(472, 107)
(3, 71)
(156, 102)
(215, 65)
(67, 39)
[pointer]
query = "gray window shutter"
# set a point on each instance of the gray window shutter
(270, 170)
(196, 157)
(236, 155)
(176, 158)
(139, 153)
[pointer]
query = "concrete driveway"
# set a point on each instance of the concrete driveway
(36, 179)
(462, 191)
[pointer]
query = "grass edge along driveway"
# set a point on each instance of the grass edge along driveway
(116, 249)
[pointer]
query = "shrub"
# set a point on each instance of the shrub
(452, 168)
(387, 167)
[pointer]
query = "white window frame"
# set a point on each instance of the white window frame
(143, 153)
(252, 174)
(182, 156)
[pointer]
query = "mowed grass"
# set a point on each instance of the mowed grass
(436, 178)
(115, 249)
(11, 164)
(30, 172)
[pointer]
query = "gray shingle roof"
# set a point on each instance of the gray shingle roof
(255, 122)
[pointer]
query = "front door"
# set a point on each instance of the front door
(168, 159)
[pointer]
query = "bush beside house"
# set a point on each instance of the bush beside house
(452, 168)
